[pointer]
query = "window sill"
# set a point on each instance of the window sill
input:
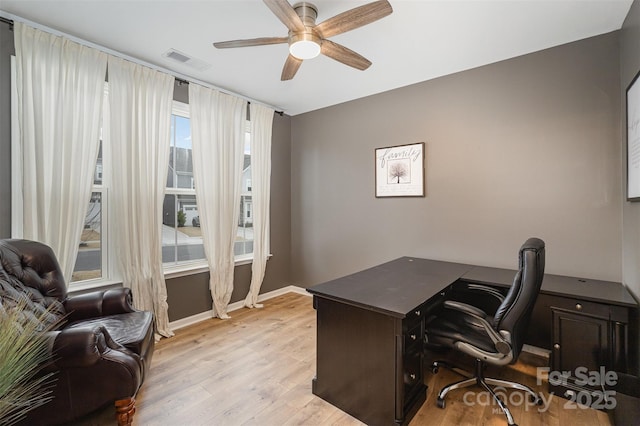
(169, 273)
(84, 286)
(200, 267)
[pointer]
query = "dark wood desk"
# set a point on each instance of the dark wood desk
(370, 326)
(369, 343)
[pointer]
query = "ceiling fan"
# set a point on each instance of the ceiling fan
(307, 40)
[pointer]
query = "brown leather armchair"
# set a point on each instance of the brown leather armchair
(101, 346)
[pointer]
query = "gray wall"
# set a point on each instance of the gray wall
(6, 50)
(524, 147)
(629, 66)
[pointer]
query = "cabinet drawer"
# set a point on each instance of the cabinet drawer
(413, 338)
(413, 376)
(414, 317)
(582, 307)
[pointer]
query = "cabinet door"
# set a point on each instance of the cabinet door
(579, 341)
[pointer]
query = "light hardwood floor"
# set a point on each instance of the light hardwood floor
(256, 369)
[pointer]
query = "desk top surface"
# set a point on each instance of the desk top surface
(558, 285)
(397, 287)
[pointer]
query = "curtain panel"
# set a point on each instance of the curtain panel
(60, 86)
(140, 102)
(217, 133)
(261, 129)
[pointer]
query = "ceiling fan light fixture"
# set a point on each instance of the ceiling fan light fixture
(304, 45)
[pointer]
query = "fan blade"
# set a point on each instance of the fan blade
(285, 13)
(354, 18)
(344, 55)
(290, 68)
(251, 42)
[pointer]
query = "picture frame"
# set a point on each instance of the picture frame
(633, 139)
(400, 171)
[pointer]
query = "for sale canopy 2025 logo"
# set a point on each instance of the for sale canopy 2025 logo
(600, 398)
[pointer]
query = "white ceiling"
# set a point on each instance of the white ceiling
(419, 41)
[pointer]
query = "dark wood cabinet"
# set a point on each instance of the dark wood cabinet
(584, 323)
(586, 337)
(370, 364)
(370, 326)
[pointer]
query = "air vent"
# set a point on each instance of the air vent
(185, 59)
(178, 56)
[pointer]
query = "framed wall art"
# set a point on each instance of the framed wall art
(633, 140)
(399, 170)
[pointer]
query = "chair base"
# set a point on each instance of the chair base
(485, 383)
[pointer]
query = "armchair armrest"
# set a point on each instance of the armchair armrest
(90, 347)
(500, 343)
(99, 303)
(77, 347)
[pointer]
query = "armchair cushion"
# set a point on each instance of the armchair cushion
(133, 330)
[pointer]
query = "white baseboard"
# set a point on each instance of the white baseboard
(202, 316)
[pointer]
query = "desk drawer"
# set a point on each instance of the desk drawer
(413, 374)
(413, 317)
(413, 338)
(582, 307)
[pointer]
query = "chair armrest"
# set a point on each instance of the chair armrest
(78, 347)
(466, 308)
(500, 343)
(92, 348)
(99, 303)
(486, 290)
(486, 298)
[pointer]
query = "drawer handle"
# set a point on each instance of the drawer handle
(578, 306)
(556, 346)
(414, 337)
(413, 376)
(417, 312)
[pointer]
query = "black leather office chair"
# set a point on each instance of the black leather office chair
(494, 337)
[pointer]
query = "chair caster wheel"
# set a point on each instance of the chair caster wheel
(440, 403)
(434, 368)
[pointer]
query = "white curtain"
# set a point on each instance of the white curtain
(60, 87)
(140, 101)
(217, 134)
(261, 125)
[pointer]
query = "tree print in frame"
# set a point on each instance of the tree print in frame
(400, 170)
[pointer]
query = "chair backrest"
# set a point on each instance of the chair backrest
(30, 271)
(514, 313)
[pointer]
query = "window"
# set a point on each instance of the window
(244, 241)
(92, 260)
(92, 255)
(181, 233)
